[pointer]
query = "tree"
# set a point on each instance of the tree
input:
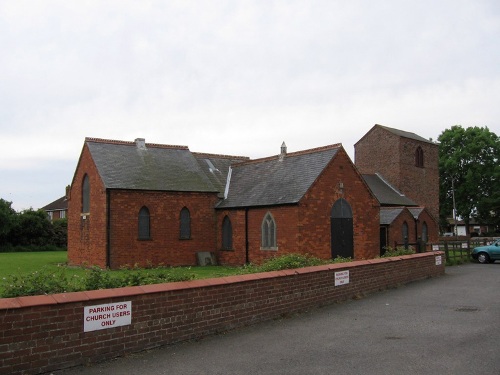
(33, 228)
(470, 173)
(7, 220)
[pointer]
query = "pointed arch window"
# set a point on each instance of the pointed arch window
(144, 224)
(425, 234)
(227, 234)
(404, 231)
(268, 229)
(86, 194)
(185, 224)
(419, 157)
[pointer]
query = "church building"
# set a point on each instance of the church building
(138, 203)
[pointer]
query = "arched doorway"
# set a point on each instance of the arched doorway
(342, 230)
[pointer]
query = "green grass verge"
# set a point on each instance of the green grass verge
(46, 272)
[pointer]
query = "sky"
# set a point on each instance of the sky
(233, 77)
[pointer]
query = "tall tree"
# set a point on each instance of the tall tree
(7, 220)
(470, 173)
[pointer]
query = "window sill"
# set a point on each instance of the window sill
(269, 248)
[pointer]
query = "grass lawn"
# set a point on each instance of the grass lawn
(26, 263)
(22, 263)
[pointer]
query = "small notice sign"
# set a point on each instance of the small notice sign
(464, 245)
(109, 315)
(439, 260)
(435, 247)
(341, 278)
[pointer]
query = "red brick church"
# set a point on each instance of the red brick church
(150, 204)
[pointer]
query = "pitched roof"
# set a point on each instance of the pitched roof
(416, 211)
(58, 205)
(276, 180)
(146, 166)
(405, 134)
(386, 194)
(389, 214)
(399, 133)
(216, 167)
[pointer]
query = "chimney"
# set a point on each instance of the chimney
(140, 143)
(283, 151)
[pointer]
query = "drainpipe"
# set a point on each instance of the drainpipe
(247, 251)
(108, 229)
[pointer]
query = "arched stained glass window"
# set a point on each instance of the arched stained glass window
(268, 232)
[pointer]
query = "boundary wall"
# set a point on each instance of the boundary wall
(40, 334)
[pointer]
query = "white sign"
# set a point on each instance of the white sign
(435, 247)
(464, 245)
(438, 260)
(109, 315)
(341, 278)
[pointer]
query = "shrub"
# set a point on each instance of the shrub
(288, 261)
(37, 283)
(400, 250)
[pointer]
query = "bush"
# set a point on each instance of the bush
(37, 283)
(46, 281)
(394, 252)
(286, 262)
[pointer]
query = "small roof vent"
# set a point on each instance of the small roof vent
(140, 143)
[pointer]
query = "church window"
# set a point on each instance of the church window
(144, 224)
(419, 157)
(269, 232)
(185, 223)
(227, 234)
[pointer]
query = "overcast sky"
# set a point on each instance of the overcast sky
(233, 77)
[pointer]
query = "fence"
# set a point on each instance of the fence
(458, 250)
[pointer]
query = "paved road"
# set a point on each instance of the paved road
(446, 325)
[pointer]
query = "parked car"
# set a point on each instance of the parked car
(488, 253)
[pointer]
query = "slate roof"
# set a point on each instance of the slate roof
(146, 166)
(276, 181)
(415, 211)
(399, 133)
(216, 167)
(385, 193)
(60, 204)
(405, 134)
(389, 214)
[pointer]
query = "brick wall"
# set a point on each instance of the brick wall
(45, 333)
(306, 227)
(165, 246)
(87, 231)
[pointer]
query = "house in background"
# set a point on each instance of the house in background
(57, 209)
(143, 203)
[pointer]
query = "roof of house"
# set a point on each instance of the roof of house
(146, 166)
(276, 180)
(58, 205)
(386, 194)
